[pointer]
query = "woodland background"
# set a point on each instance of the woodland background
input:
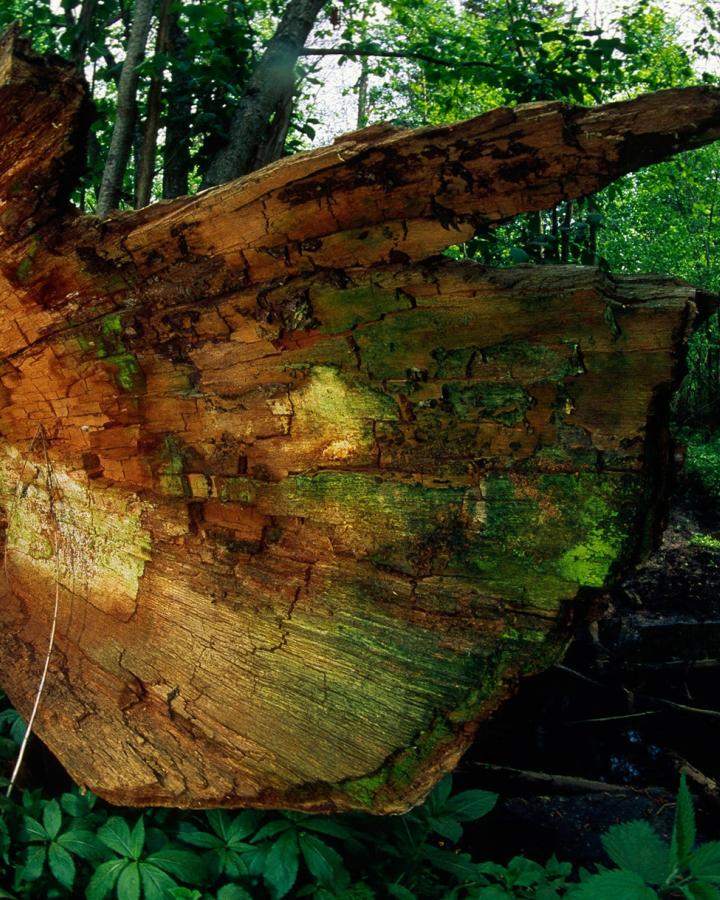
(193, 94)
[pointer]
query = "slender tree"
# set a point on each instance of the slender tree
(176, 151)
(146, 169)
(266, 89)
(122, 135)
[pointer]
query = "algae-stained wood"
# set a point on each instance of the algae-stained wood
(313, 507)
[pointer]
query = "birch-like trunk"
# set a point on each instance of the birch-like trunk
(121, 141)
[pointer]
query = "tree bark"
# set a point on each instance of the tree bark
(146, 168)
(271, 82)
(272, 147)
(83, 35)
(176, 152)
(121, 141)
(320, 497)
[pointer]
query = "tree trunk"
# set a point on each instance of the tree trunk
(121, 141)
(272, 147)
(176, 152)
(271, 82)
(320, 497)
(83, 33)
(146, 169)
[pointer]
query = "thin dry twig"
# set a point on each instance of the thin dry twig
(618, 718)
(557, 783)
(42, 438)
(647, 698)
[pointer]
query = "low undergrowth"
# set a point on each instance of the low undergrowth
(702, 468)
(75, 845)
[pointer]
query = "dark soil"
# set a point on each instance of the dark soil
(636, 700)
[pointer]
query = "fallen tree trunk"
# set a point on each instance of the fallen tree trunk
(311, 499)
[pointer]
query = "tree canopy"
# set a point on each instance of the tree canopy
(193, 94)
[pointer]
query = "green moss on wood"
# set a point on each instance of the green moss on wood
(24, 269)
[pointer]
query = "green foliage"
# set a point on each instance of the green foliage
(702, 466)
(75, 845)
(650, 867)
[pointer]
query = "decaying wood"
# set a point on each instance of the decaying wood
(319, 497)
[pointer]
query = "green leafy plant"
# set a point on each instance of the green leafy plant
(136, 869)
(54, 841)
(77, 846)
(649, 867)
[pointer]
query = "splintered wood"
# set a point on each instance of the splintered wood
(319, 498)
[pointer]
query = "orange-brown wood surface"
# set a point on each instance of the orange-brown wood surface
(313, 497)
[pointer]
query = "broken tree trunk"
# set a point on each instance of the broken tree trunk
(313, 498)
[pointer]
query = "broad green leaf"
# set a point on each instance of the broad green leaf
(233, 860)
(525, 872)
(82, 843)
(281, 865)
(705, 861)
(683, 836)
(52, 818)
(75, 805)
(182, 864)
(558, 869)
(493, 892)
(233, 892)
(460, 865)
(61, 865)
(256, 858)
(34, 862)
(324, 863)
(17, 732)
(137, 838)
(446, 827)
(115, 834)
(518, 255)
(330, 827)
(219, 821)
(494, 869)
(470, 805)
(4, 841)
(546, 892)
(700, 890)
(32, 830)
(155, 838)
(271, 829)
(183, 893)
(128, 885)
(243, 825)
(440, 793)
(104, 878)
(156, 883)
(190, 835)
(637, 847)
(400, 892)
(616, 885)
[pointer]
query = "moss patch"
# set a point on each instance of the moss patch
(97, 530)
(108, 345)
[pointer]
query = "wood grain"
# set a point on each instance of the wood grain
(320, 497)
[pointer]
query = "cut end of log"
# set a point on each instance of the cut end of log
(302, 556)
(319, 497)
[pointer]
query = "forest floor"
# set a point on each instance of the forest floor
(602, 737)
